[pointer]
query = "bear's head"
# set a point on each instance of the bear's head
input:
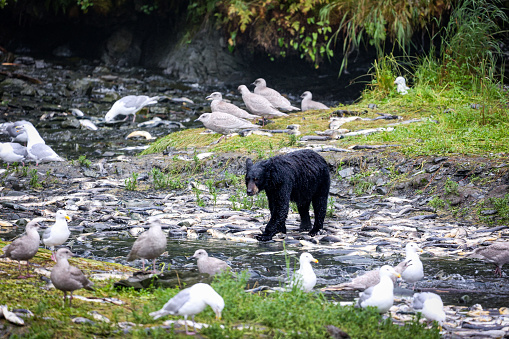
(255, 177)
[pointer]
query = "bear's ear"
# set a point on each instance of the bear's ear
(249, 163)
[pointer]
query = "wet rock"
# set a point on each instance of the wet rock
(70, 122)
(171, 279)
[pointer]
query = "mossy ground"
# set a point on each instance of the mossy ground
(295, 314)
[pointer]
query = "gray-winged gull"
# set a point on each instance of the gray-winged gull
(381, 295)
(12, 152)
(497, 253)
(305, 278)
(24, 248)
(37, 148)
(150, 244)
(58, 233)
(308, 104)
(414, 270)
(430, 305)
(128, 105)
(16, 135)
(402, 88)
(258, 104)
(224, 123)
(219, 105)
(275, 98)
(366, 280)
(192, 301)
(68, 278)
(208, 264)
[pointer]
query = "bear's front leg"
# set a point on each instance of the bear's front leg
(279, 203)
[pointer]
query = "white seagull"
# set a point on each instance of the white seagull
(305, 278)
(381, 295)
(414, 270)
(430, 305)
(192, 301)
(37, 148)
(57, 234)
(402, 87)
(128, 105)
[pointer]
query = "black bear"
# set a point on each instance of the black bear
(300, 176)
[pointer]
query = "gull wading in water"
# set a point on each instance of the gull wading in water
(192, 301)
(150, 244)
(305, 278)
(128, 105)
(414, 270)
(208, 264)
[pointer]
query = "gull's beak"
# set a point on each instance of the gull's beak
(208, 97)
(68, 218)
(420, 250)
(398, 275)
(218, 315)
(315, 261)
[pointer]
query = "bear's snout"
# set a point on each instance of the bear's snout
(252, 189)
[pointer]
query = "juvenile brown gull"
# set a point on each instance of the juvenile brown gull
(224, 123)
(24, 248)
(36, 146)
(57, 234)
(68, 278)
(414, 270)
(192, 301)
(258, 104)
(12, 152)
(497, 253)
(305, 278)
(150, 244)
(275, 98)
(208, 264)
(218, 105)
(381, 295)
(308, 104)
(430, 305)
(128, 105)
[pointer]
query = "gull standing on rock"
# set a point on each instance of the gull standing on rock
(414, 270)
(497, 253)
(218, 105)
(402, 87)
(128, 105)
(150, 244)
(308, 104)
(24, 248)
(68, 278)
(382, 294)
(258, 104)
(305, 278)
(57, 234)
(12, 152)
(275, 98)
(430, 305)
(36, 146)
(208, 264)
(191, 301)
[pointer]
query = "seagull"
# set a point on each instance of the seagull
(414, 270)
(275, 98)
(308, 104)
(191, 301)
(13, 152)
(150, 244)
(24, 248)
(57, 234)
(224, 123)
(382, 294)
(402, 87)
(305, 278)
(497, 253)
(128, 105)
(430, 305)
(36, 147)
(366, 280)
(218, 105)
(258, 104)
(16, 135)
(68, 278)
(208, 264)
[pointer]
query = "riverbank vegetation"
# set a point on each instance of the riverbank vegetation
(292, 314)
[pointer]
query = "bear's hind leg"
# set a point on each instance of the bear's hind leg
(320, 209)
(305, 220)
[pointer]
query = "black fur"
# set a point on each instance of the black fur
(300, 176)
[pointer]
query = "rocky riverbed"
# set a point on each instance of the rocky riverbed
(208, 208)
